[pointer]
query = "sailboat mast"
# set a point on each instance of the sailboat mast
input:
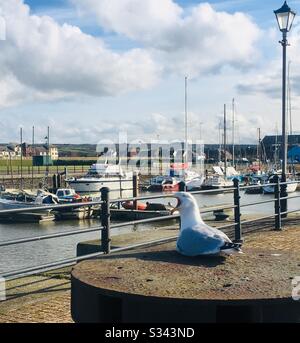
(21, 151)
(258, 148)
(225, 143)
(32, 154)
(233, 136)
(186, 123)
(220, 141)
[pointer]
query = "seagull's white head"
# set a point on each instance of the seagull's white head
(185, 201)
(188, 208)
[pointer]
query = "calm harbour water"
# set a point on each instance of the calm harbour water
(31, 254)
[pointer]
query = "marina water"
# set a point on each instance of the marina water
(32, 254)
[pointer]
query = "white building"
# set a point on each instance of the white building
(53, 152)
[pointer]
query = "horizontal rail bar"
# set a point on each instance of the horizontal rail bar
(138, 245)
(121, 190)
(96, 229)
(257, 203)
(52, 265)
(290, 197)
(292, 211)
(34, 208)
(268, 184)
(168, 195)
(144, 221)
(289, 182)
(71, 261)
(44, 237)
(215, 208)
(217, 190)
(257, 219)
(226, 226)
(261, 185)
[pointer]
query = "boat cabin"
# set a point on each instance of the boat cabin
(105, 170)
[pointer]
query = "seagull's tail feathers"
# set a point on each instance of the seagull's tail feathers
(231, 248)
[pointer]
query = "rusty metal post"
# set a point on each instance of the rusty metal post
(277, 203)
(237, 212)
(105, 220)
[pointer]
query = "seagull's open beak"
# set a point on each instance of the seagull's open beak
(176, 207)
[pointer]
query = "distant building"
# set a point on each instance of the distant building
(271, 145)
(3, 153)
(42, 151)
(294, 154)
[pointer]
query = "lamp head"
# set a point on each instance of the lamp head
(285, 17)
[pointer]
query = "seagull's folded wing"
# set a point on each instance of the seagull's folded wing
(214, 232)
(193, 242)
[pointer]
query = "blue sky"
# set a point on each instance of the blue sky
(125, 76)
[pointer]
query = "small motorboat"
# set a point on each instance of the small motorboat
(129, 205)
(291, 188)
(69, 196)
(177, 174)
(42, 199)
(104, 175)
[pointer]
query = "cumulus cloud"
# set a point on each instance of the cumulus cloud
(187, 42)
(267, 80)
(41, 59)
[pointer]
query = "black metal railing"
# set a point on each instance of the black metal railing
(106, 226)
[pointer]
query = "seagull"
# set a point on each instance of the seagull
(197, 238)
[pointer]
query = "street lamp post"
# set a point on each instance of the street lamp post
(285, 17)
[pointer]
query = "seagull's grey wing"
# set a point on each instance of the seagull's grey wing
(212, 231)
(216, 232)
(193, 242)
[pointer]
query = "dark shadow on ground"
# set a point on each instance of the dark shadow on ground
(171, 256)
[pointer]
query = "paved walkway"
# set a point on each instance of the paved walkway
(39, 299)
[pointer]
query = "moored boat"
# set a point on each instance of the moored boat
(104, 175)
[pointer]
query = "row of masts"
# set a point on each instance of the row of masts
(233, 126)
(33, 149)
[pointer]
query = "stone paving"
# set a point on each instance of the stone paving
(38, 299)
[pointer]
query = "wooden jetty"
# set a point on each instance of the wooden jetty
(28, 217)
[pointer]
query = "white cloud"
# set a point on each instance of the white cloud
(41, 59)
(188, 42)
(267, 80)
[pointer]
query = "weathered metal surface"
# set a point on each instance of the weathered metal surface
(263, 274)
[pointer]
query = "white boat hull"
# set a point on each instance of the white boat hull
(291, 188)
(194, 183)
(119, 188)
(12, 204)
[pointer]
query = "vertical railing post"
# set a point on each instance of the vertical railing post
(237, 212)
(135, 192)
(277, 203)
(182, 186)
(105, 220)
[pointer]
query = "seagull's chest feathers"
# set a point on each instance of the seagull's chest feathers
(190, 217)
